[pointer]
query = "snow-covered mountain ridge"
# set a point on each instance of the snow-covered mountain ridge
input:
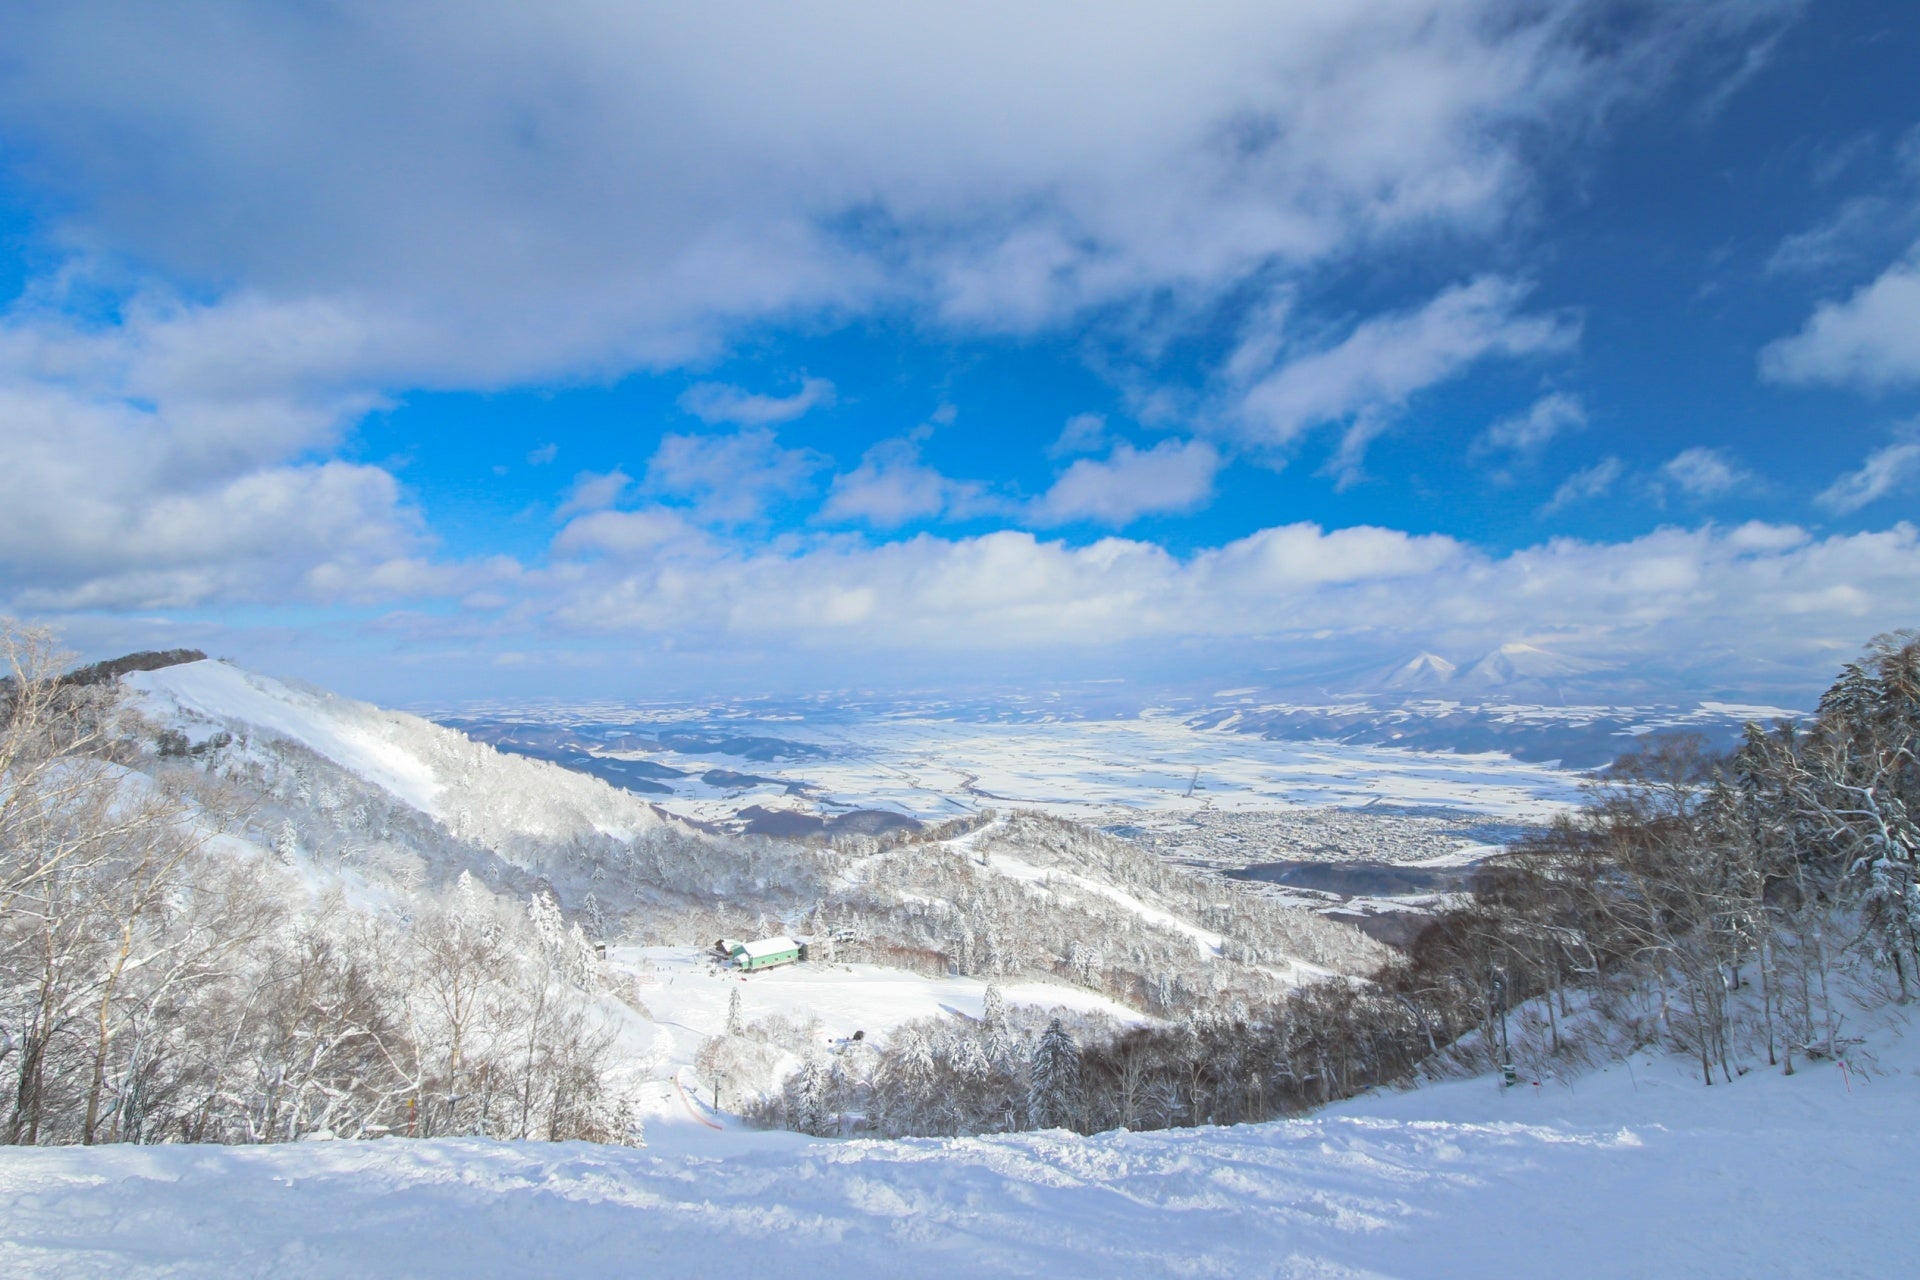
(479, 793)
(1512, 665)
(1571, 735)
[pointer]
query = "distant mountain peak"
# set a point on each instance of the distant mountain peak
(1517, 661)
(1422, 671)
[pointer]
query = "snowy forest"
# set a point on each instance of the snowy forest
(162, 981)
(921, 899)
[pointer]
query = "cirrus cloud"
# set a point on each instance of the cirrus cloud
(1887, 470)
(1370, 374)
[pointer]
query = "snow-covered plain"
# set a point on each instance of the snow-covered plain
(1086, 769)
(1633, 1171)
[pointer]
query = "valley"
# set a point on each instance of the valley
(1180, 785)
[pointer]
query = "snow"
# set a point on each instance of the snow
(357, 737)
(683, 997)
(1631, 1171)
(476, 792)
(1759, 713)
(1627, 1172)
(685, 993)
(1209, 942)
(1465, 856)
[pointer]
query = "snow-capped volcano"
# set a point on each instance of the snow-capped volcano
(1518, 663)
(1423, 671)
(1513, 664)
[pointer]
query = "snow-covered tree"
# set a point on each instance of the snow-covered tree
(1053, 1081)
(808, 1103)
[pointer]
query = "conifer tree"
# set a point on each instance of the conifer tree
(1053, 1081)
(993, 1009)
(809, 1101)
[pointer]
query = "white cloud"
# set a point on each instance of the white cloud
(365, 199)
(131, 481)
(1703, 473)
(1870, 226)
(1860, 224)
(99, 533)
(1870, 340)
(1701, 596)
(487, 195)
(541, 456)
(1585, 484)
(1547, 418)
(1906, 152)
(892, 487)
(484, 582)
(717, 402)
(1173, 476)
(229, 386)
(731, 477)
(625, 533)
(1887, 470)
(1369, 375)
(591, 491)
(1084, 433)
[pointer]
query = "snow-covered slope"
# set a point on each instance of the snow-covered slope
(1636, 1171)
(478, 793)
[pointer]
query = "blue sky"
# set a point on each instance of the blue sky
(446, 351)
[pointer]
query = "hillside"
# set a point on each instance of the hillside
(478, 793)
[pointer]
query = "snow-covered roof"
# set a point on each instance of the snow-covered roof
(769, 947)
